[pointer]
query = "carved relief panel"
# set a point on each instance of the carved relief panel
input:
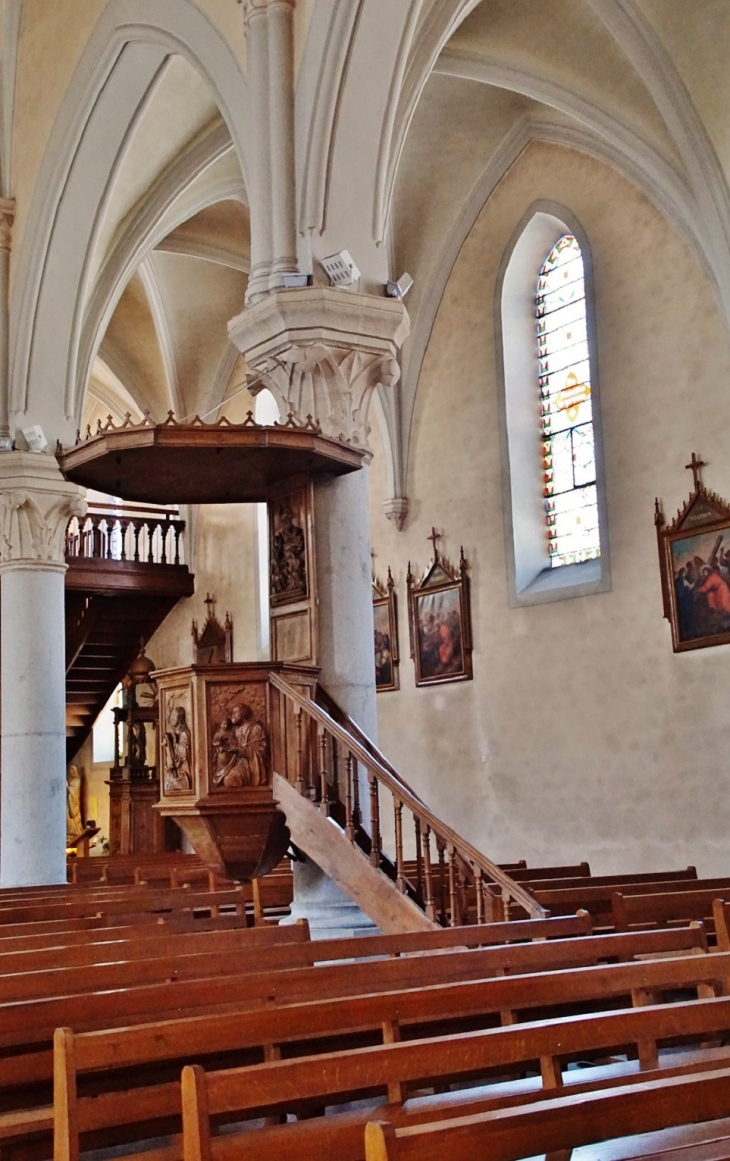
(239, 751)
(292, 577)
(176, 720)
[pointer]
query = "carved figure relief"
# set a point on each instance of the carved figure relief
(239, 748)
(178, 751)
(74, 823)
(288, 579)
(238, 737)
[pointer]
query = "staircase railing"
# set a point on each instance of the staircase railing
(452, 881)
(128, 533)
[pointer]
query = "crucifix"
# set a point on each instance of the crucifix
(694, 467)
(434, 537)
(210, 603)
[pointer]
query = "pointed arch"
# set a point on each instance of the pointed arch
(119, 66)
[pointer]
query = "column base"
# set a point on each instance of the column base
(325, 906)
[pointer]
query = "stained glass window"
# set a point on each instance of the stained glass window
(569, 465)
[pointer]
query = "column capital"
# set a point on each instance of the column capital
(36, 504)
(322, 352)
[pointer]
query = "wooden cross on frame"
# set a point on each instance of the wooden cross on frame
(434, 537)
(695, 466)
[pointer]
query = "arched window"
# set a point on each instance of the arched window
(550, 425)
(566, 414)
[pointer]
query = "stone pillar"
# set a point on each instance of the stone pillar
(259, 176)
(322, 352)
(7, 213)
(36, 504)
(271, 178)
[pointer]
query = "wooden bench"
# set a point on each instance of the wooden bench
(32, 1022)
(132, 900)
(598, 900)
(393, 1071)
(662, 907)
(565, 1123)
(255, 1036)
(617, 881)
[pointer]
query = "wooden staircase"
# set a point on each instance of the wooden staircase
(124, 576)
(349, 810)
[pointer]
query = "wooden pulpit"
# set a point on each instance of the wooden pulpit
(224, 730)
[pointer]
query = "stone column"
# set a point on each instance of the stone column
(259, 175)
(7, 213)
(322, 352)
(36, 504)
(271, 176)
(281, 133)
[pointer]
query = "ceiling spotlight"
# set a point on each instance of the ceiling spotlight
(400, 288)
(340, 268)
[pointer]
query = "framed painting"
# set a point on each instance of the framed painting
(440, 621)
(694, 561)
(385, 616)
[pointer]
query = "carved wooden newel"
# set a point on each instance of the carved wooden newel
(225, 729)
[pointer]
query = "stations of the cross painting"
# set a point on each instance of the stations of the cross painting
(695, 467)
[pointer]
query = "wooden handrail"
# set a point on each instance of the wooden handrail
(481, 867)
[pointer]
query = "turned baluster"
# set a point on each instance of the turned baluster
(300, 747)
(349, 823)
(453, 897)
(400, 876)
(374, 821)
(335, 788)
(135, 539)
(479, 884)
(96, 537)
(419, 857)
(427, 877)
(356, 812)
(153, 526)
(324, 800)
(441, 848)
(123, 526)
(164, 528)
(176, 535)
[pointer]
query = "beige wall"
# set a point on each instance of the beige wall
(225, 565)
(582, 734)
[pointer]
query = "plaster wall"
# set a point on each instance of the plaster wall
(582, 734)
(225, 566)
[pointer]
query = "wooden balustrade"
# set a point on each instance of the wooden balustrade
(454, 883)
(128, 533)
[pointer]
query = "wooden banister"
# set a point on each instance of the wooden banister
(465, 866)
(128, 533)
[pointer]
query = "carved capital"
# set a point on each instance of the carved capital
(396, 509)
(322, 353)
(36, 504)
(7, 215)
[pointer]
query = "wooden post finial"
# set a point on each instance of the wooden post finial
(695, 466)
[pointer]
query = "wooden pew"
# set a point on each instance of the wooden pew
(345, 1022)
(721, 916)
(390, 1071)
(35, 975)
(661, 908)
(565, 1123)
(32, 1022)
(133, 900)
(617, 881)
(599, 900)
